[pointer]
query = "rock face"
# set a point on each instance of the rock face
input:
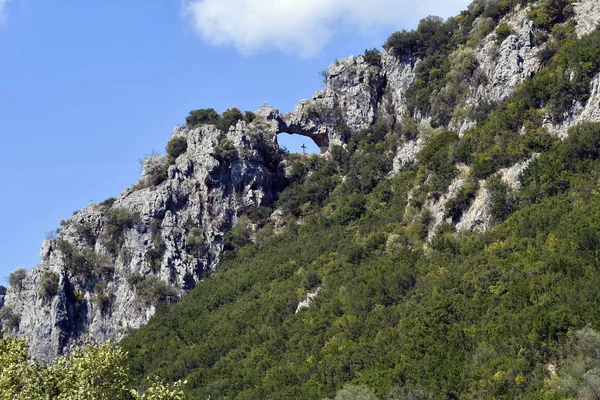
(587, 16)
(109, 283)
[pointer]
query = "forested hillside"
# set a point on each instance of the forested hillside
(400, 305)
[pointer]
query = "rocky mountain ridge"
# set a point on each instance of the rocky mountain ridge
(113, 262)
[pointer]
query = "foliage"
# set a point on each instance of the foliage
(225, 151)
(456, 206)
(15, 278)
(468, 316)
(194, 241)
(49, 284)
(92, 372)
(152, 290)
(229, 118)
(176, 147)
(108, 203)
(117, 221)
(238, 236)
(85, 231)
(550, 12)
(202, 116)
(502, 32)
(372, 57)
(9, 317)
(2, 290)
(155, 170)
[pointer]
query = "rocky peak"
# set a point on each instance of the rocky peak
(114, 262)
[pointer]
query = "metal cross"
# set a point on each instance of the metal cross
(303, 149)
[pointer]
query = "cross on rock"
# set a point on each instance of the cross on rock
(303, 149)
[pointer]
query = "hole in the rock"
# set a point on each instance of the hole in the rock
(294, 143)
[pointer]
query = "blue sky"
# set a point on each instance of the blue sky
(89, 87)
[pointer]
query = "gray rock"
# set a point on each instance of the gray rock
(202, 192)
(587, 16)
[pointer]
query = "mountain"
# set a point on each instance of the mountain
(443, 245)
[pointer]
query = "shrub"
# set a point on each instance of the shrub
(9, 317)
(501, 200)
(49, 284)
(176, 147)
(229, 118)
(503, 31)
(249, 116)
(194, 241)
(550, 12)
(155, 169)
(259, 215)
(152, 290)
(15, 279)
(116, 222)
(225, 152)
(2, 290)
(154, 255)
(108, 203)
(238, 236)
(202, 116)
(456, 206)
(85, 231)
(372, 57)
(102, 301)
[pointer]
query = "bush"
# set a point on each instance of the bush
(49, 284)
(503, 31)
(194, 241)
(85, 230)
(152, 290)
(202, 116)
(176, 147)
(102, 301)
(456, 206)
(154, 255)
(15, 279)
(155, 169)
(550, 12)
(9, 317)
(2, 290)
(117, 221)
(225, 152)
(238, 236)
(229, 118)
(501, 200)
(108, 203)
(372, 57)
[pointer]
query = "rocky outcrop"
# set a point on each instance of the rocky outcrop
(587, 16)
(478, 216)
(356, 93)
(579, 113)
(167, 236)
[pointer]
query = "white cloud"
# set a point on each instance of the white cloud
(2, 9)
(304, 27)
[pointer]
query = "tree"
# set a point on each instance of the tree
(49, 284)
(92, 372)
(15, 279)
(176, 147)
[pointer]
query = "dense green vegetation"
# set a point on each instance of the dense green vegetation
(464, 315)
(92, 372)
(468, 316)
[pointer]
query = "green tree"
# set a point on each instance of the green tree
(91, 372)
(49, 284)
(15, 278)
